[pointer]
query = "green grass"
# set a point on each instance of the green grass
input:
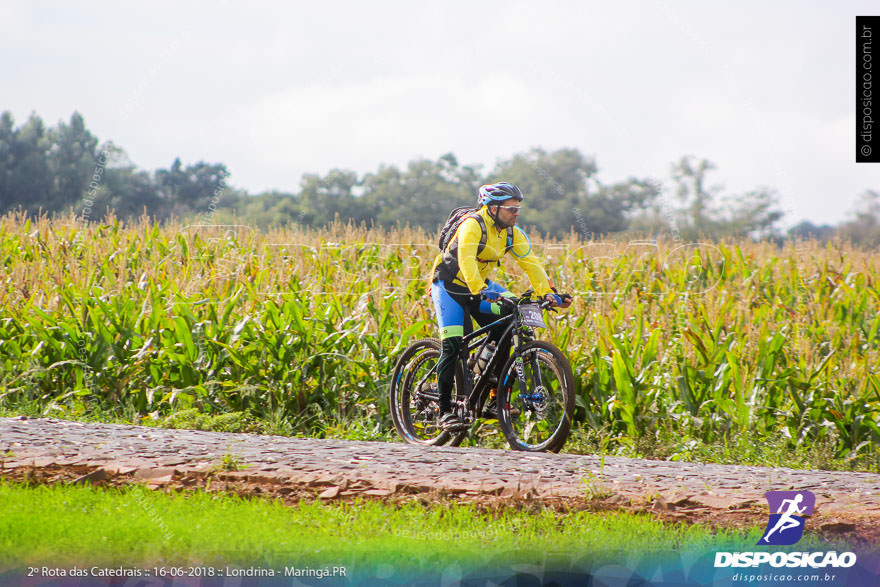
(83, 525)
(747, 449)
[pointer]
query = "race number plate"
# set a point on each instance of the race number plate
(532, 315)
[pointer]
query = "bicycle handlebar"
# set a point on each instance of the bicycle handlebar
(510, 302)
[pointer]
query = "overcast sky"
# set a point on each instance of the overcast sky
(765, 90)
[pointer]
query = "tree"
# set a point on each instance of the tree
(559, 198)
(266, 210)
(423, 195)
(29, 178)
(62, 168)
(752, 214)
(73, 162)
(864, 228)
(198, 188)
(808, 230)
(321, 199)
(128, 191)
(696, 197)
(7, 161)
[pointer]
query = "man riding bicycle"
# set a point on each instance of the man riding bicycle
(460, 287)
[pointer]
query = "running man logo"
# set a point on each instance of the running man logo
(787, 512)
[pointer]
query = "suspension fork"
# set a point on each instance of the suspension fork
(527, 394)
(519, 365)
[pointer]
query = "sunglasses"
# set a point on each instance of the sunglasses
(511, 208)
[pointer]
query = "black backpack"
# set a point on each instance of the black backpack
(456, 217)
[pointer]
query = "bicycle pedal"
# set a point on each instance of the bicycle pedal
(452, 423)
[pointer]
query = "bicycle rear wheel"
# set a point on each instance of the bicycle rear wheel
(537, 418)
(414, 398)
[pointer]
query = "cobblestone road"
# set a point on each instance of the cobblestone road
(335, 468)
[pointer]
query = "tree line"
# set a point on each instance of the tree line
(66, 168)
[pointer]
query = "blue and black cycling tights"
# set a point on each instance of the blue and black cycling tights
(455, 306)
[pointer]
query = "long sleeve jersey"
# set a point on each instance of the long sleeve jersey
(473, 270)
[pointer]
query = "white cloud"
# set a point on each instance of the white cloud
(361, 125)
(12, 19)
(278, 90)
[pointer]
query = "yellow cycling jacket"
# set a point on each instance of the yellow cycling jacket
(473, 271)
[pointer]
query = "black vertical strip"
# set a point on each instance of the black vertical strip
(867, 91)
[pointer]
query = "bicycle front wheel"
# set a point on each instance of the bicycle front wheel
(537, 416)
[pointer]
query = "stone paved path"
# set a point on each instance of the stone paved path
(336, 467)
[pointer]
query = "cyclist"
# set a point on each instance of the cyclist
(460, 288)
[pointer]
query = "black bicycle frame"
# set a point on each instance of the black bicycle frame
(480, 386)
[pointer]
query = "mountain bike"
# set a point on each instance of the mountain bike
(532, 389)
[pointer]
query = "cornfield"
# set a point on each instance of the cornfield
(701, 341)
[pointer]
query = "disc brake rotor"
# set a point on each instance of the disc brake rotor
(537, 402)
